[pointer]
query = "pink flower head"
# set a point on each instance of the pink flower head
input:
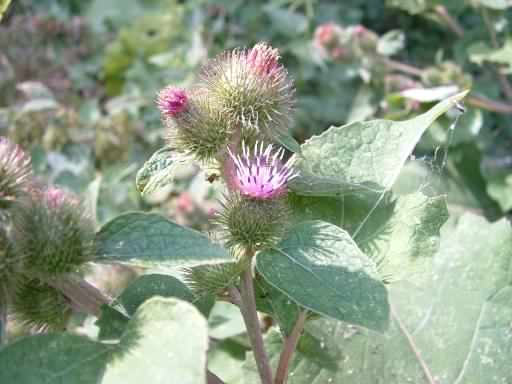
(338, 53)
(263, 59)
(172, 101)
(54, 196)
(325, 34)
(262, 175)
(360, 30)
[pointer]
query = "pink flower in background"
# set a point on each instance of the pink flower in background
(360, 30)
(184, 203)
(326, 34)
(172, 101)
(262, 175)
(54, 196)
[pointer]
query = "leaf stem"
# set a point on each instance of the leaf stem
(474, 100)
(83, 295)
(290, 344)
(502, 78)
(412, 344)
(450, 22)
(252, 323)
(212, 378)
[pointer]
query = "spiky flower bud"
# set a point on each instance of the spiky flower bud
(201, 130)
(215, 278)
(15, 172)
(41, 307)
(53, 234)
(262, 174)
(172, 101)
(11, 266)
(252, 88)
(251, 224)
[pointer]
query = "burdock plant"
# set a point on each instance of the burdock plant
(272, 250)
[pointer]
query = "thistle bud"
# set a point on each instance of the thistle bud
(40, 307)
(53, 234)
(15, 172)
(213, 278)
(251, 224)
(172, 101)
(252, 88)
(201, 130)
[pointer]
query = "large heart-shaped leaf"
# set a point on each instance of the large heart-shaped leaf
(457, 323)
(165, 342)
(150, 240)
(362, 156)
(112, 323)
(399, 234)
(320, 267)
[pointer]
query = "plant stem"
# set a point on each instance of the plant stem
(473, 100)
(290, 344)
(84, 296)
(252, 324)
(402, 67)
(450, 22)
(502, 78)
(212, 378)
(412, 344)
(488, 104)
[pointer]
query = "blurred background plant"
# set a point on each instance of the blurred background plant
(78, 81)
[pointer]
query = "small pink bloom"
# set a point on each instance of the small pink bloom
(338, 53)
(360, 30)
(172, 101)
(54, 196)
(212, 212)
(262, 175)
(263, 59)
(325, 34)
(185, 204)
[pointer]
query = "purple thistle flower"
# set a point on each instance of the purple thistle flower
(262, 175)
(172, 101)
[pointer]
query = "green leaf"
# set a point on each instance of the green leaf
(413, 7)
(4, 4)
(150, 240)
(165, 342)
(158, 172)
(499, 187)
(225, 321)
(459, 321)
(391, 43)
(480, 53)
(272, 301)
(366, 155)
(495, 4)
(407, 237)
(53, 359)
(112, 323)
(320, 267)
(399, 234)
